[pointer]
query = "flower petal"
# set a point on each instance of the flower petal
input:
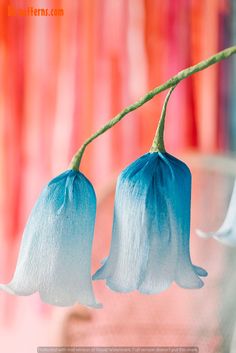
(227, 232)
(55, 253)
(151, 228)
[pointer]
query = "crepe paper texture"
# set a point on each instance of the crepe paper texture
(151, 228)
(55, 253)
(171, 83)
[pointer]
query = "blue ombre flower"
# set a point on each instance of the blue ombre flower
(55, 253)
(226, 234)
(151, 228)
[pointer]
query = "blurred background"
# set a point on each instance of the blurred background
(63, 77)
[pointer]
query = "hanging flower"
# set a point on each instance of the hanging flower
(55, 252)
(226, 234)
(151, 228)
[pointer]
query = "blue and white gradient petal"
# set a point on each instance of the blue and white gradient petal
(151, 228)
(226, 234)
(55, 253)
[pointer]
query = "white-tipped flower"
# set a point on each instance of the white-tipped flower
(55, 253)
(151, 228)
(226, 234)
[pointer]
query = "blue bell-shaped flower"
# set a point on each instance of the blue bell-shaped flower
(151, 228)
(226, 234)
(55, 253)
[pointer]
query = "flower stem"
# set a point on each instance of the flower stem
(224, 54)
(158, 141)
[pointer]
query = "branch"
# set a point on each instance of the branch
(224, 54)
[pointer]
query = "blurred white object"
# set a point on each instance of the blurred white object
(227, 232)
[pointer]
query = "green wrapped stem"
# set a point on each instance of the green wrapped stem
(158, 142)
(224, 54)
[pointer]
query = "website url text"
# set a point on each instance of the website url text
(33, 11)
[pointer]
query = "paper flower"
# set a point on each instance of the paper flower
(227, 232)
(151, 228)
(55, 252)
